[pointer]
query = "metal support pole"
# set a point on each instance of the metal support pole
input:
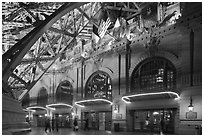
(127, 65)
(82, 69)
(53, 100)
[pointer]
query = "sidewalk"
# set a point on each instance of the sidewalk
(69, 131)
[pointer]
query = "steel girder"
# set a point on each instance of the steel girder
(13, 57)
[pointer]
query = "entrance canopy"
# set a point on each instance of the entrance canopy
(58, 106)
(36, 108)
(89, 102)
(150, 96)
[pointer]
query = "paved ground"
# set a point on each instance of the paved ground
(69, 131)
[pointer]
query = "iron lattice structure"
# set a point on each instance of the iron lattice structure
(38, 35)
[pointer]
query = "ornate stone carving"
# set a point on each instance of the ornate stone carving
(152, 45)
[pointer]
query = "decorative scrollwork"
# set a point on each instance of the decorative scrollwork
(152, 45)
(97, 61)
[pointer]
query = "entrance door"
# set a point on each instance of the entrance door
(93, 120)
(108, 121)
(150, 120)
(105, 121)
(101, 120)
(98, 120)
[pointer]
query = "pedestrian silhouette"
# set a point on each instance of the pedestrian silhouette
(86, 127)
(47, 124)
(75, 125)
(57, 123)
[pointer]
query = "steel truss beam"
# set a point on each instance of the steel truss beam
(119, 8)
(90, 20)
(15, 54)
(13, 57)
(32, 60)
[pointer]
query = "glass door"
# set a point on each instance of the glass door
(108, 121)
(101, 120)
(155, 121)
(97, 120)
(94, 123)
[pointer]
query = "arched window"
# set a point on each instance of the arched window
(42, 99)
(99, 86)
(64, 92)
(155, 73)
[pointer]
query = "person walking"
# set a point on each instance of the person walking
(47, 124)
(162, 126)
(57, 123)
(86, 126)
(75, 125)
(53, 124)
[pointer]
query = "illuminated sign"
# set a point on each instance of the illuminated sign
(91, 100)
(126, 99)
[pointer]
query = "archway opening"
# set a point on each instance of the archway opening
(64, 93)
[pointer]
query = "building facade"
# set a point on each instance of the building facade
(138, 85)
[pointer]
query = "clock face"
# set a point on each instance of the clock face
(99, 86)
(65, 92)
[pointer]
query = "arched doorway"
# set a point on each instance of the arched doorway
(151, 77)
(99, 86)
(64, 92)
(42, 98)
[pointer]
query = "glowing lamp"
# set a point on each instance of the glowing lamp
(155, 113)
(115, 110)
(72, 113)
(190, 107)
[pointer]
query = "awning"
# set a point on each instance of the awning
(150, 96)
(89, 102)
(36, 108)
(58, 106)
